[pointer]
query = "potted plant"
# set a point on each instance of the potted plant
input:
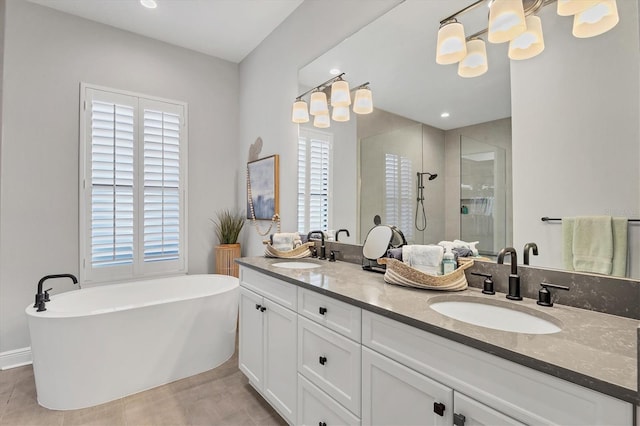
(228, 225)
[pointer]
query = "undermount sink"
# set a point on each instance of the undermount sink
(296, 265)
(497, 316)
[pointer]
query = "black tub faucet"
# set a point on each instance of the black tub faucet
(323, 254)
(527, 247)
(42, 297)
(342, 230)
(514, 279)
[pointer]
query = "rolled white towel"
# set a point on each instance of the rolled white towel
(425, 258)
(285, 241)
(460, 244)
(448, 245)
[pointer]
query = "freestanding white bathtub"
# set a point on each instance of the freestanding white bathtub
(99, 344)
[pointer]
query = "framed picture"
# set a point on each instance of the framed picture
(263, 188)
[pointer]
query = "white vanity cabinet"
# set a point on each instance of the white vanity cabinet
(267, 339)
(487, 385)
(393, 394)
(320, 361)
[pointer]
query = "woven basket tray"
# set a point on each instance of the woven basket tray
(296, 253)
(399, 273)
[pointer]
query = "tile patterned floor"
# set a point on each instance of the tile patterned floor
(221, 396)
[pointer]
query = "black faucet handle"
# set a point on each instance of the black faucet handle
(332, 255)
(544, 295)
(487, 284)
(314, 251)
(46, 294)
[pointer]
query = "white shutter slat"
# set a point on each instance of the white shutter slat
(161, 180)
(112, 136)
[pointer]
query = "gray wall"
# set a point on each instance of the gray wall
(573, 156)
(47, 55)
(271, 72)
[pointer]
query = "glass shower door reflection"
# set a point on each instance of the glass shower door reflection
(483, 195)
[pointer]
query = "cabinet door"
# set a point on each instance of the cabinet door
(251, 337)
(477, 414)
(393, 394)
(280, 329)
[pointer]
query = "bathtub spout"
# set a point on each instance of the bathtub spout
(43, 297)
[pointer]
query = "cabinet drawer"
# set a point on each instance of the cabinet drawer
(316, 407)
(331, 362)
(277, 290)
(334, 314)
(540, 398)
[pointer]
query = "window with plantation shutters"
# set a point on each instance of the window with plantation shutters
(133, 152)
(399, 196)
(314, 180)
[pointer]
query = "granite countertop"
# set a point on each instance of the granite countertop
(594, 350)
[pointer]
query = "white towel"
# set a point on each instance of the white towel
(286, 241)
(427, 259)
(460, 244)
(448, 245)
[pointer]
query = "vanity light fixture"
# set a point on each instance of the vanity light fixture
(596, 20)
(363, 102)
(149, 4)
(530, 43)
(340, 96)
(506, 20)
(510, 20)
(318, 103)
(451, 46)
(322, 121)
(300, 113)
(340, 100)
(475, 63)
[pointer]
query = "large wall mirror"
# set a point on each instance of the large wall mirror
(557, 135)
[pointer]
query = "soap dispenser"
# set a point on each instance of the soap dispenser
(448, 262)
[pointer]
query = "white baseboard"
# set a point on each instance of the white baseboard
(15, 358)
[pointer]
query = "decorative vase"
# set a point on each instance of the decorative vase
(225, 256)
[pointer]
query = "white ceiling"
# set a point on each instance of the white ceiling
(227, 29)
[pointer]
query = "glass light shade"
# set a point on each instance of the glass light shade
(340, 113)
(318, 104)
(571, 7)
(596, 20)
(530, 43)
(322, 121)
(475, 63)
(340, 95)
(299, 113)
(363, 103)
(451, 46)
(506, 20)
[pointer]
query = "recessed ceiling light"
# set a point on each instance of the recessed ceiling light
(334, 71)
(444, 115)
(149, 4)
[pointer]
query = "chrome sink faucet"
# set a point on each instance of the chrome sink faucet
(514, 279)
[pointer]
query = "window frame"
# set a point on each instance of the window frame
(138, 269)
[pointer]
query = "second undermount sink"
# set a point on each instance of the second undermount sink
(296, 265)
(501, 316)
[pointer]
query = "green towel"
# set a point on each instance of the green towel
(620, 253)
(593, 244)
(567, 242)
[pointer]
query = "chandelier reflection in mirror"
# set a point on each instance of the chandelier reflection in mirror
(339, 97)
(510, 20)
